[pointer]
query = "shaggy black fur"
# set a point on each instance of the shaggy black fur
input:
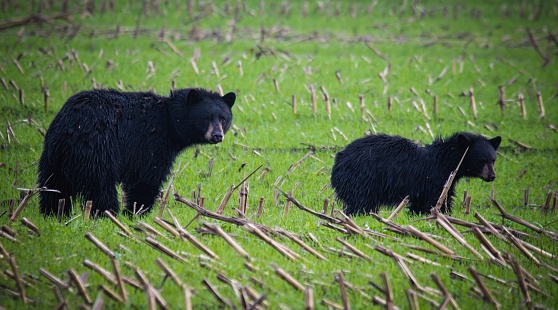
(381, 170)
(101, 138)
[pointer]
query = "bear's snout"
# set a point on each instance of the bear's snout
(217, 137)
(488, 174)
(215, 134)
(490, 178)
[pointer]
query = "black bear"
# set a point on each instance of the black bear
(381, 170)
(101, 138)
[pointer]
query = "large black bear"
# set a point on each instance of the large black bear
(381, 170)
(101, 138)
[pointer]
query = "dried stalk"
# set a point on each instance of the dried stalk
(502, 99)
(417, 233)
(447, 296)
(185, 234)
(308, 299)
(219, 231)
(327, 102)
(541, 105)
(147, 289)
(281, 248)
(216, 294)
(298, 163)
(39, 19)
(520, 247)
(344, 297)
(536, 249)
(203, 212)
(533, 41)
(522, 107)
(303, 208)
(187, 297)
(400, 207)
(448, 184)
(101, 271)
(387, 291)
(442, 221)
(55, 280)
(412, 299)
(421, 259)
(22, 204)
(312, 91)
(122, 227)
(101, 246)
(27, 223)
(87, 211)
(349, 224)
(229, 193)
(166, 226)
(488, 225)
(472, 102)
(17, 278)
(118, 276)
(173, 48)
(146, 227)
(112, 294)
(254, 305)
(522, 284)
(169, 272)
(353, 249)
(398, 258)
(80, 286)
(165, 250)
(394, 227)
(301, 243)
(166, 195)
(99, 302)
(484, 290)
(287, 277)
(516, 219)
(484, 241)
(251, 293)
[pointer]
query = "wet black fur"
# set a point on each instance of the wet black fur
(101, 138)
(381, 170)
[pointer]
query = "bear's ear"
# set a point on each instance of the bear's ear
(193, 96)
(463, 139)
(229, 99)
(495, 142)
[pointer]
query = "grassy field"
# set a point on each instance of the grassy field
(310, 77)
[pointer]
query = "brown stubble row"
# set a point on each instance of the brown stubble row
(336, 220)
(528, 283)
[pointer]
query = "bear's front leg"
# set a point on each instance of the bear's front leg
(139, 197)
(102, 197)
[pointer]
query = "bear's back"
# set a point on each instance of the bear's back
(110, 98)
(382, 146)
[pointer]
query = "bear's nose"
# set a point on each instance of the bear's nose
(217, 137)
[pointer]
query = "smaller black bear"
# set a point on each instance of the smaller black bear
(101, 138)
(381, 170)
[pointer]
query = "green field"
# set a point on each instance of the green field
(310, 76)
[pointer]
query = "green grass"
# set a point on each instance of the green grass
(479, 52)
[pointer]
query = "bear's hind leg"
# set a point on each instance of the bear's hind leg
(49, 200)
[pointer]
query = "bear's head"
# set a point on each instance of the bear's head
(481, 156)
(200, 116)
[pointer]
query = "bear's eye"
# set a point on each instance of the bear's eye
(222, 120)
